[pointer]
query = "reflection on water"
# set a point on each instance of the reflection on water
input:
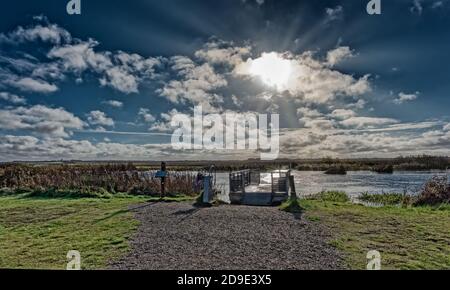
(354, 183)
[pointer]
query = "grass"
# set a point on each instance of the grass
(334, 196)
(37, 233)
(384, 199)
(292, 206)
(407, 238)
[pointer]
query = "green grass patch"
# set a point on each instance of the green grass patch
(407, 238)
(384, 199)
(37, 232)
(333, 196)
(292, 205)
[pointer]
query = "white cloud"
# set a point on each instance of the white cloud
(220, 52)
(195, 85)
(437, 4)
(27, 84)
(363, 122)
(314, 80)
(343, 114)
(49, 33)
(403, 98)
(120, 80)
(15, 99)
(114, 103)
(121, 71)
(99, 118)
(40, 120)
(81, 56)
(146, 115)
(339, 54)
(417, 7)
(333, 14)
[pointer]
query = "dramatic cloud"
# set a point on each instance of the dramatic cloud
(220, 52)
(314, 80)
(337, 55)
(326, 111)
(196, 84)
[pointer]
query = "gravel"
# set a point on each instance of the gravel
(178, 236)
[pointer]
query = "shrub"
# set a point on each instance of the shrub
(336, 170)
(91, 179)
(384, 169)
(435, 191)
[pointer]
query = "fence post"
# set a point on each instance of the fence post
(163, 180)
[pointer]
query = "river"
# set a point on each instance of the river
(354, 183)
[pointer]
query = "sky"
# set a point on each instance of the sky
(106, 84)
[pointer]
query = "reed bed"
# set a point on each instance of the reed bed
(91, 179)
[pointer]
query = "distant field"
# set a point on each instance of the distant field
(423, 162)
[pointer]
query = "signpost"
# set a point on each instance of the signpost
(162, 174)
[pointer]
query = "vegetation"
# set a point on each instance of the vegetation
(37, 233)
(333, 196)
(384, 169)
(407, 238)
(89, 181)
(385, 198)
(336, 170)
(421, 162)
(292, 206)
(436, 191)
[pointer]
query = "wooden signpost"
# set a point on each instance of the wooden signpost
(162, 174)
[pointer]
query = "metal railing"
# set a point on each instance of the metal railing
(239, 180)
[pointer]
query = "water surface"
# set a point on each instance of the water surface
(354, 183)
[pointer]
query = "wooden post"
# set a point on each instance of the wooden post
(292, 185)
(163, 180)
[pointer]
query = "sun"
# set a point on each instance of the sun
(273, 69)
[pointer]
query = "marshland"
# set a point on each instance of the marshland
(111, 212)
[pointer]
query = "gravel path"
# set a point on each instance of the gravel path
(178, 236)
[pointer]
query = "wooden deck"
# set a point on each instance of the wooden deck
(246, 188)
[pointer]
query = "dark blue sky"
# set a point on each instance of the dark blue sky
(401, 55)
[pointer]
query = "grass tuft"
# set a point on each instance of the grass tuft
(333, 196)
(292, 206)
(384, 199)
